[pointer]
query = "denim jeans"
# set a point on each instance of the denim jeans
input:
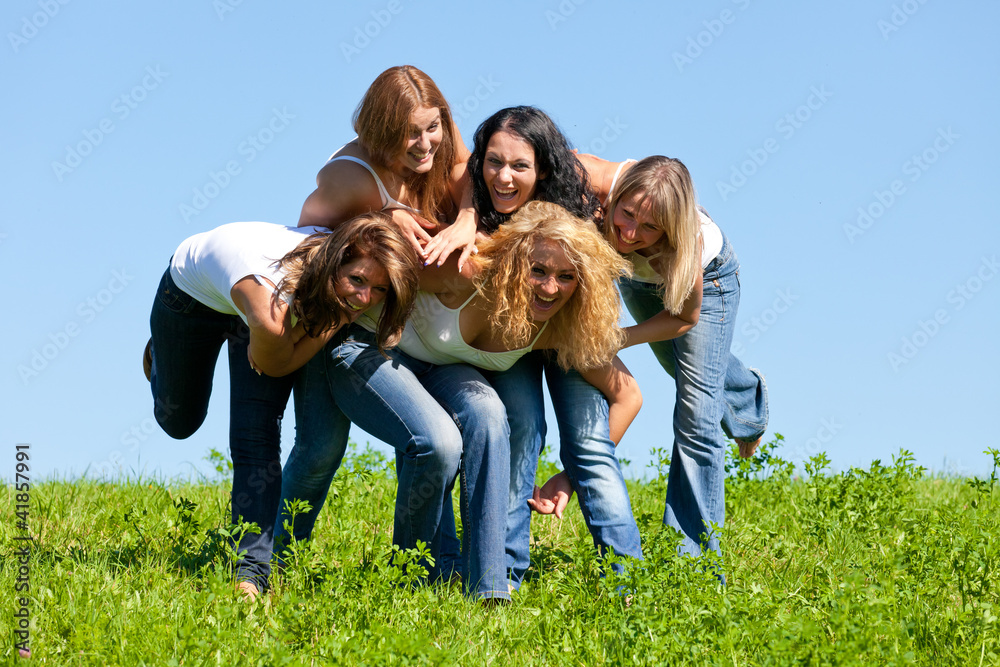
(321, 435)
(715, 393)
(187, 336)
(586, 452)
(446, 422)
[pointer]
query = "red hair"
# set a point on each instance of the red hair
(382, 121)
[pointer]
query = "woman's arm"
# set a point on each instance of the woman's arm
(624, 400)
(462, 232)
(623, 394)
(663, 325)
(345, 190)
(601, 174)
(276, 348)
(447, 278)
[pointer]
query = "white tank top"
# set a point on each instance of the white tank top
(433, 334)
(207, 265)
(387, 201)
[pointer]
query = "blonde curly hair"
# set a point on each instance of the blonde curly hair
(585, 332)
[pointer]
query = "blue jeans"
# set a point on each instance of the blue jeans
(187, 337)
(715, 394)
(446, 422)
(586, 452)
(321, 436)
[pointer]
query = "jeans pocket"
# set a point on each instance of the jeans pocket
(174, 299)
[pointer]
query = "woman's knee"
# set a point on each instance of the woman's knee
(440, 445)
(179, 426)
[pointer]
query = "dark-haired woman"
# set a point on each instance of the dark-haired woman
(520, 156)
(277, 295)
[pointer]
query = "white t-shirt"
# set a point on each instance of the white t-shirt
(207, 265)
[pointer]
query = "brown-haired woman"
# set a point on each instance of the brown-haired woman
(277, 294)
(401, 162)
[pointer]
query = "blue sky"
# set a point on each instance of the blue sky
(847, 149)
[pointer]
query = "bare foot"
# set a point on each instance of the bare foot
(748, 447)
(248, 590)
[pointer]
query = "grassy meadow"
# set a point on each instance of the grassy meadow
(884, 565)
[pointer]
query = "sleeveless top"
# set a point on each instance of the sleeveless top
(387, 201)
(207, 265)
(710, 233)
(433, 334)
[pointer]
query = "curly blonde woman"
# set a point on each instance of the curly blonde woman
(505, 278)
(526, 290)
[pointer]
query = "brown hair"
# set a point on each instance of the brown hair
(312, 269)
(382, 122)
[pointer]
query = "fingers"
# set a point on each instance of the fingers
(539, 504)
(415, 244)
(747, 448)
(252, 364)
(417, 238)
(467, 252)
(425, 223)
(562, 500)
(437, 250)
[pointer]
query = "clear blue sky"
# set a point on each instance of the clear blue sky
(849, 150)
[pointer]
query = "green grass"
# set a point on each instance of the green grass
(879, 566)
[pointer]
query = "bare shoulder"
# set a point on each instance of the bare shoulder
(601, 173)
(344, 189)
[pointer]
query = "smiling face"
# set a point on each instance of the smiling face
(425, 135)
(361, 284)
(634, 229)
(553, 279)
(509, 171)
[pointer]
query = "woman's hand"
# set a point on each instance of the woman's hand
(253, 364)
(460, 234)
(414, 228)
(553, 497)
